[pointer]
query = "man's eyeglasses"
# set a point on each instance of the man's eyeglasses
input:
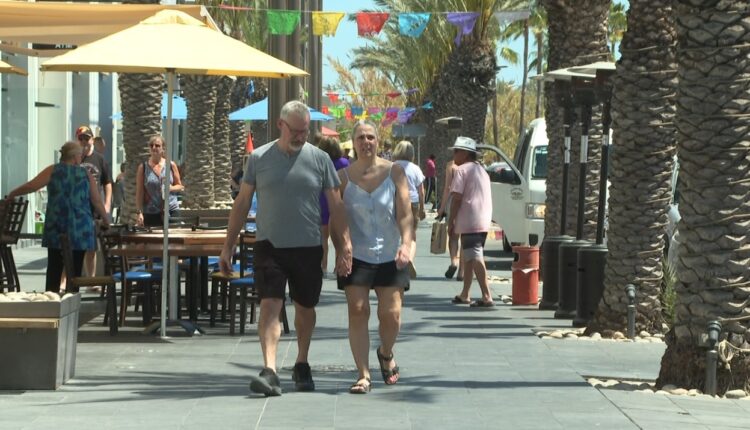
(295, 131)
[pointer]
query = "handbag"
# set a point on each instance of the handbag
(439, 238)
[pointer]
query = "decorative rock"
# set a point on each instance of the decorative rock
(542, 333)
(557, 334)
(571, 336)
(618, 335)
(669, 387)
(735, 394)
(655, 339)
(644, 333)
(679, 391)
(659, 335)
(594, 382)
(610, 383)
(694, 392)
(661, 392)
(596, 335)
(647, 391)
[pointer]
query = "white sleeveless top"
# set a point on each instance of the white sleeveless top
(372, 221)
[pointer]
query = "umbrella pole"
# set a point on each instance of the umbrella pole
(166, 263)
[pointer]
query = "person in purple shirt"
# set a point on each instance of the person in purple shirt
(332, 147)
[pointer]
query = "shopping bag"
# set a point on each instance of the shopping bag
(439, 238)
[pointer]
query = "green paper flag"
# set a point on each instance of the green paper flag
(283, 22)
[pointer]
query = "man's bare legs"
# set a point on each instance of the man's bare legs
(304, 324)
(269, 329)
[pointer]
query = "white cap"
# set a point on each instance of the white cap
(464, 143)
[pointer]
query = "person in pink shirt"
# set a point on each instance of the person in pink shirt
(470, 217)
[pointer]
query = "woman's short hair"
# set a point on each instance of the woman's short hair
(404, 151)
(158, 137)
(332, 147)
(362, 122)
(69, 150)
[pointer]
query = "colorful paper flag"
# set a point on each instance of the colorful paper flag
(370, 23)
(333, 97)
(282, 22)
(464, 21)
(326, 23)
(405, 115)
(412, 24)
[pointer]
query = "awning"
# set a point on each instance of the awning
(54, 27)
(258, 111)
(328, 132)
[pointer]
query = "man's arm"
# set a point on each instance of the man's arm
(107, 197)
(339, 231)
(237, 219)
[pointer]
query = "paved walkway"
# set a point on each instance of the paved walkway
(461, 368)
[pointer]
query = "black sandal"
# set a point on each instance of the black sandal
(360, 387)
(390, 376)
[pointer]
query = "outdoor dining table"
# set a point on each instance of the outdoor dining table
(183, 243)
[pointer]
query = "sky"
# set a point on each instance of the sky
(346, 39)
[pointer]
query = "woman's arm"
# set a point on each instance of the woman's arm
(404, 217)
(40, 181)
(139, 195)
(176, 186)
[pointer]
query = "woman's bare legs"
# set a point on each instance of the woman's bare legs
(389, 315)
(358, 301)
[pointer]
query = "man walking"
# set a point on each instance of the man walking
(470, 216)
(288, 176)
(95, 164)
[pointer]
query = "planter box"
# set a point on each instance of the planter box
(38, 343)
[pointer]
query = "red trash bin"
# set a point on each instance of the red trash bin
(525, 268)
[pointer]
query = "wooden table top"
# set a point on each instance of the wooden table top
(174, 250)
(178, 236)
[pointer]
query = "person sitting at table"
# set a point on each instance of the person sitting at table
(148, 186)
(71, 193)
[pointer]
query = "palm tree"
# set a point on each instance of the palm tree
(200, 97)
(222, 150)
(577, 36)
(644, 105)
(140, 98)
(618, 24)
(459, 81)
(712, 124)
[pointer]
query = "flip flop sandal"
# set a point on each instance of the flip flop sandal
(390, 376)
(362, 386)
(482, 304)
(451, 271)
(459, 301)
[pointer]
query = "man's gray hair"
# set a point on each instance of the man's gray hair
(362, 122)
(294, 108)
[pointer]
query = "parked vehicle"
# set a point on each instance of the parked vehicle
(519, 189)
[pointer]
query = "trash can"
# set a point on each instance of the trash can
(525, 269)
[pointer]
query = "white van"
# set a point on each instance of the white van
(519, 190)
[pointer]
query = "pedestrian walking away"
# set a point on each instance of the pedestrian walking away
(288, 176)
(470, 217)
(376, 196)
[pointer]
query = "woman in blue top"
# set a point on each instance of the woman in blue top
(148, 186)
(71, 193)
(376, 197)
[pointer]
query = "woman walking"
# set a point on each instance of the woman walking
(148, 186)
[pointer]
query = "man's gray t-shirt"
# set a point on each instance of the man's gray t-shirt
(288, 189)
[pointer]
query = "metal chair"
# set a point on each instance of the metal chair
(11, 222)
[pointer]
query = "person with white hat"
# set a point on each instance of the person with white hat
(470, 217)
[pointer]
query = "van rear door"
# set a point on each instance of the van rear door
(510, 192)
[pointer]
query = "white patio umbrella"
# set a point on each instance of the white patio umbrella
(171, 42)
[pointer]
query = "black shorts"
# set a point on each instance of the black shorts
(299, 266)
(375, 275)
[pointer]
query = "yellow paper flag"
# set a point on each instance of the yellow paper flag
(326, 23)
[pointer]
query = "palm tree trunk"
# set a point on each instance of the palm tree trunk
(463, 88)
(712, 124)
(539, 71)
(645, 142)
(577, 36)
(140, 99)
(522, 121)
(237, 138)
(200, 96)
(221, 150)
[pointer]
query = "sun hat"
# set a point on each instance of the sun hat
(84, 130)
(464, 143)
